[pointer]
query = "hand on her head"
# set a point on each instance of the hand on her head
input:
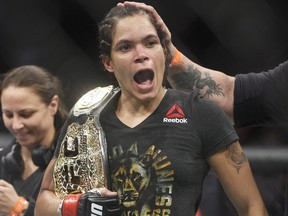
(158, 20)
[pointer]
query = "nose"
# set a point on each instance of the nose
(140, 55)
(17, 123)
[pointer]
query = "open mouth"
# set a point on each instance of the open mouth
(144, 77)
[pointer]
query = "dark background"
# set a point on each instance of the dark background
(229, 35)
(233, 36)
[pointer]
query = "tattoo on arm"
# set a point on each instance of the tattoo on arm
(235, 156)
(192, 80)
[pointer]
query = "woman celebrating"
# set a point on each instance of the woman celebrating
(161, 143)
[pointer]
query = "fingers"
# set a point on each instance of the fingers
(107, 193)
(148, 8)
(3, 183)
(120, 4)
(157, 18)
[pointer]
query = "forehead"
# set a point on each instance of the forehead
(132, 27)
(20, 96)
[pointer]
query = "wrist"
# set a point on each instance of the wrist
(172, 49)
(20, 207)
(177, 59)
(69, 205)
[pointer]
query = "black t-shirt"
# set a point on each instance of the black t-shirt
(159, 165)
(28, 188)
(260, 99)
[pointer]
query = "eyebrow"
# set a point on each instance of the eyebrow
(21, 111)
(131, 41)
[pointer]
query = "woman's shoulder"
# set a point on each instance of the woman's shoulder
(194, 97)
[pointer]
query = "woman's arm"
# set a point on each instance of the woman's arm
(47, 202)
(233, 171)
(214, 85)
(9, 199)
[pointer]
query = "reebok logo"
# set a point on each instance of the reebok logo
(175, 115)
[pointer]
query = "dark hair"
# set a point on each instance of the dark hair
(106, 29)
(43, 82)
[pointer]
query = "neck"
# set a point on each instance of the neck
(29, 166)
(132, 111)
(49, 139)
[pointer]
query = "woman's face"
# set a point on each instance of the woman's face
(137, 58)
(28, 119)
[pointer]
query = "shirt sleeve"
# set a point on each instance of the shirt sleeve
(260, 99)
(216, 131)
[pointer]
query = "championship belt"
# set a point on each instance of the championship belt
(82, 163)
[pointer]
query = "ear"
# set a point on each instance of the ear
(106, 60)
(54, 104)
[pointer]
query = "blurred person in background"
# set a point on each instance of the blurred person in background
(33, 112)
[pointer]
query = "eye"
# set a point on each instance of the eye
(124, 47)
(27, 114)
(151, 43)
(8, 115)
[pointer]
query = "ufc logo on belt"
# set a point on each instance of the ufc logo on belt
(96, 209)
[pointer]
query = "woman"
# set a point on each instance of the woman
(33, 112)
(161, 142)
